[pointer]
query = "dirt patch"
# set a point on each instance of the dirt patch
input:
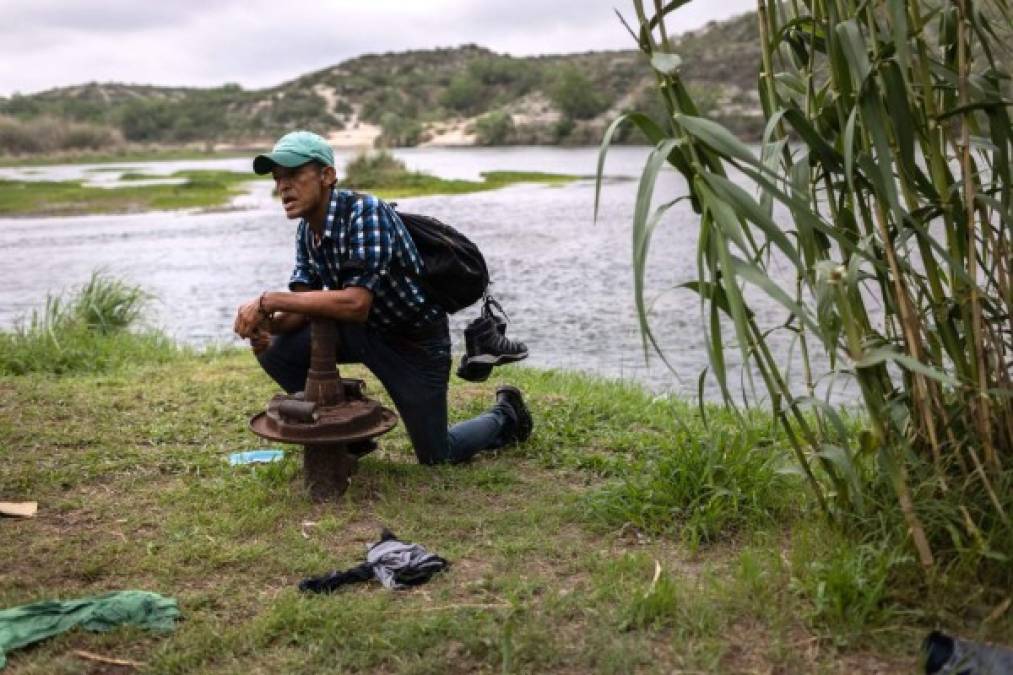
(452, 134)
(356, 134)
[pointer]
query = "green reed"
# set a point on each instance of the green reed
(94, 329)
(888, 142)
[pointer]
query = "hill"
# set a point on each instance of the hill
(464, 95)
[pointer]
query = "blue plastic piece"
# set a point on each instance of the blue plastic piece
(264, 456)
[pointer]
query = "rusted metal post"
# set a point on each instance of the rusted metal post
(323, 379)
(327, 469)
(325, 417)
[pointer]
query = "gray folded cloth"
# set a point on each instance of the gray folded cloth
(395, 563)
(398, 564)
(945, 655)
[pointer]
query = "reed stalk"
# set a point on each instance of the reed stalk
(889, 143)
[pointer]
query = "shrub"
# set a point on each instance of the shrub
(576, 96)
(375, 170)
(465, 94)
(51, 134)
(494, 128)
(399, 131)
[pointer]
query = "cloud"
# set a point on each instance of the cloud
(258, 43)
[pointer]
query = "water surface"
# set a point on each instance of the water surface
(565, 280)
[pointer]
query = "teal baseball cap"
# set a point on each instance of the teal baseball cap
(295, 149)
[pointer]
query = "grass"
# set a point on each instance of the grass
(91, 331)
(137, 175)
(624, 536)
(129, 468)
(420, 184)
(201, 189)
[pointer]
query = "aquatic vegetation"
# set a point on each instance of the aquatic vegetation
(199, 189)
(383, 174)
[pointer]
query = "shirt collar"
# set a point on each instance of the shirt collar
(332, 215)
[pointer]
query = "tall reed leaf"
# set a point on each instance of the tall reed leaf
(888, 142)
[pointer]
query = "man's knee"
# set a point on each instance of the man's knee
(286, 361)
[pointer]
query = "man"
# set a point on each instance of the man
(350, 260)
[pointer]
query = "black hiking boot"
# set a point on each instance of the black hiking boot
(486, 344)
(523, 424)
(477, 368)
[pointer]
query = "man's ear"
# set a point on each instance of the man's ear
(329, 176)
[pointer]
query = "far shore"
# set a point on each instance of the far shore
(214, 190)
(223, 151)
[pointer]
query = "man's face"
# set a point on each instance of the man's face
(302, 188)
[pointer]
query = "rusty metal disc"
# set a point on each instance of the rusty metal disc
(351, 421)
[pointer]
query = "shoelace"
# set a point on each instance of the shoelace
(487, 305)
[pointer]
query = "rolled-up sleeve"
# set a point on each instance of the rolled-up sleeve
(303, 274)
(370, 244)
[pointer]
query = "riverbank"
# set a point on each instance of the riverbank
(209, 190)
(131, 154)
(625, 535)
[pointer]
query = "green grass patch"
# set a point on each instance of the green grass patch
(201, 189)
(701, 484)
(213, 189)
(93, 330)
(100, 169)
(387, 177)
(134, 175)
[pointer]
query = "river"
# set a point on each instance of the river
(565, 280)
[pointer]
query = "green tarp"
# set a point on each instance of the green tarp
(20, 626)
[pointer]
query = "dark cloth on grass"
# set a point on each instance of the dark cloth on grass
(24, 625)
(394, 563)
(945, 655)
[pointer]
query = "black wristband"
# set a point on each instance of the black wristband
(263, 312)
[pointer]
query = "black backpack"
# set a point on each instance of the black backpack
(455, 274)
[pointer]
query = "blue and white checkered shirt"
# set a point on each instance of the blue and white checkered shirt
(369, 248)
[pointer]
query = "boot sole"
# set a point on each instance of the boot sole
(466, 372)
(496, 359)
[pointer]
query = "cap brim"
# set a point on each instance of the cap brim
(264, 163)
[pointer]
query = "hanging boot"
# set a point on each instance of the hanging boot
(486, 345)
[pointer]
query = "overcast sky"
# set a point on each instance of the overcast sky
(258, 43)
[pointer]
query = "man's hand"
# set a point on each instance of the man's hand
(249, 319)
(260, 340)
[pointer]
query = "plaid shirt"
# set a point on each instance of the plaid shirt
(365, 244)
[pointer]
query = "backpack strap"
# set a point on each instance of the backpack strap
(346, 214)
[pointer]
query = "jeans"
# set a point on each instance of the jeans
(415, 372)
